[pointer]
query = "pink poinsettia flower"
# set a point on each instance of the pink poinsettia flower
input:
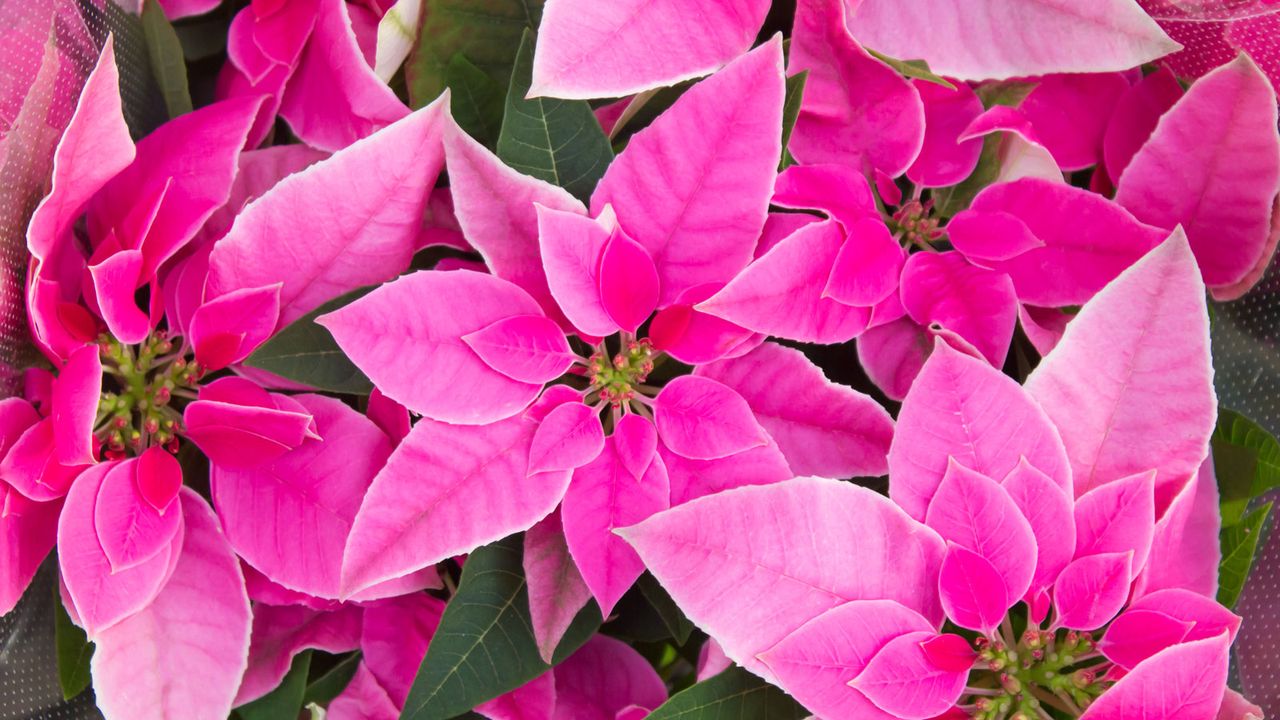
(520, 417)
(1095, 515)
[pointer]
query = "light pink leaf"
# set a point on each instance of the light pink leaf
(769, 579)
(1135, 118)
(605, 495)
(189, 648)
(1184, 549)
(571, 247)
(1136, 635)
(694, 478)
(868, 266)
(973, 593)
(704, 419)
(822, 428)
(525, 348)
(496, 209)
(395, 637)
(592, 50)
(974, 512)
(1091, 590)
(1109, 35)
(979, 305)
(711, 660)
(407, 337)
(1140, 352)
(1182, 682)
(816, 662)
(280, 633)
(1047, 508)
(75, 406)
(556, 589)
(856, 111)
(944, 159)
(1118, 517)
(902, 680)
(569, 437)
(1219, 188)
(316, 487)
(693, 188)
(602, 679)
(627, 281)
(962, 408)
(294, 233)
(781, 293)
(446, 490)
(242, 430)
(131, 529)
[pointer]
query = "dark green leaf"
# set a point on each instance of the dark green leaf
(1239, 545)
(487, 32)
(286, 700)
(328, 686)
(677, 624)
(74, 653)
(476, 100)
(734, 694)
(484, 646)
(791, 111)
(559, 141)
(918, 69)
(1246, 459)
(167, 62)
(1009, 93)
(305, 352)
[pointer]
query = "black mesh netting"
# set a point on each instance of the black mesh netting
(49, 47)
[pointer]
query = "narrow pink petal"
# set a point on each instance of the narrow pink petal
(556, 589)
(75, 406)
(816, 662)
(972, 591)
(822, 428)
(569, 437)
(628, 281)
(867, 268)
(944, 159)
(525, 348)
(407, 336)
(704, 419)
(893, 354)
(423, 505)
(974, 512)
(292, 234)
(571, 247)
(28, 531)
(280, 633)
(591, 50)
(1091, 590)
(1065, 111)
(670, 186)
(840, 191)
(770, 579)
(496, 209)
(334, 98)
(975, 303)
(1110, 35)
(691, 336)
(535, 700)
(1118, 517)
(115, 280)
(317, 486)
(902, 680)
(1047, 508)
(130, 529)
(1136, 635)
(1140, 351)
(187, 649)
(1135, 117)
(1183, 549)
(961, 408)
(604, 495)
(395, 637)
(781, 292)
(1183, 681)
(1224, 185)
(692, 479)
(603, 678)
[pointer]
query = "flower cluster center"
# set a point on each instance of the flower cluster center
(618, 379)
(140, 382)
(913, 224)
(1044, 670)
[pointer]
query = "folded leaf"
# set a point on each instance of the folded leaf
(557, 591)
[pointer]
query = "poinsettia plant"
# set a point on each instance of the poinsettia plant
(568, 359)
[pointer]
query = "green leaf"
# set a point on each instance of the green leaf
(676, 623)
(74, 652)
(1246, 459)
(791, 111)
(734, 694)
(143, 103)
(167, 62)
(487, 32)
(476, 100)
(328, 686)
(918, 69)
(559, 141)
(1239, 545)
(305, 352)
(286, 700)
(484, 646)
